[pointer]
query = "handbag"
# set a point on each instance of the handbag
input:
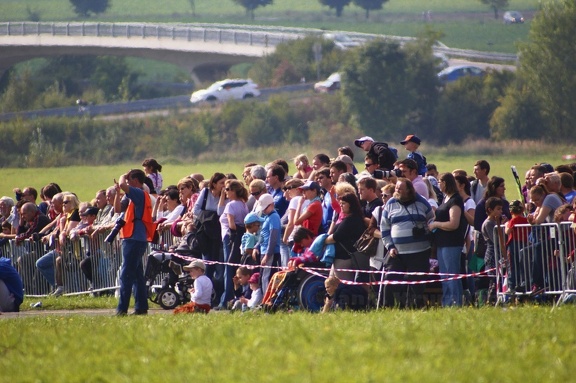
(367, 244)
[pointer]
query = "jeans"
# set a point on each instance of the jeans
(45, 265)
(449, 262)
(284, 254)
(268, 272)
(132, 276)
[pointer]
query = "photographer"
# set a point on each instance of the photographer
(405, 235)
(371, 165)
(135, 234)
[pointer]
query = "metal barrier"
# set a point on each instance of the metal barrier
(83, 265)
(535, 261)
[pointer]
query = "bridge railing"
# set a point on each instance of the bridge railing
(220, 33)
(147, 31)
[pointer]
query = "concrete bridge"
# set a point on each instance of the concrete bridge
(200, 50)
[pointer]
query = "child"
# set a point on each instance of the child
(494, 210)
(256, 298)
(152, 169)
(250, 238)
(303, 238)
(517, 239)
(202, 291)
(241, 287)
(341, 296)
(411, 143)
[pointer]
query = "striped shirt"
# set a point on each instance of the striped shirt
(399, 219)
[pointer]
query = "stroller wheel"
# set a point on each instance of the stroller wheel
(168, 299)
(311, 293)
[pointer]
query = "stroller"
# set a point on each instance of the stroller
(172, 289)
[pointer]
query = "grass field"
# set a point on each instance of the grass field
(86, 180)
(466, 24)
(521, 344)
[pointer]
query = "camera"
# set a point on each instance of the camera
(381, 174)
(418, 232)
(119, 225)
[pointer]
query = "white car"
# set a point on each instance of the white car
(331, 84)
(229, 89)
(341, 40)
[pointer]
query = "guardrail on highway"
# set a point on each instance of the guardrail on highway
(221, 33)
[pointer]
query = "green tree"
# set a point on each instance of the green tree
(496, 5)
(86, 8)
(338, 5)
(370, 5)
(387, 88)
(548, 68)
(20, 93)
(251, 5)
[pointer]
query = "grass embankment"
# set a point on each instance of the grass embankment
(86, 180)
(525, 344)
(467, 24)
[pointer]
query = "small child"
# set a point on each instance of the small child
(494, 210)
(341, 296)
(257, 295)
(241, 287)
(250, 238)
(412, 143)
(202, 291)
(303, 238)
(517, 239)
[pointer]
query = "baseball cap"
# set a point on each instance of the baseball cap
(251, 218)
(263, 202)
(310, 185)
(361, 140)
(411, 138)
(195, 263)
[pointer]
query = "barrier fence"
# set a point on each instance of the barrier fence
(533, 260)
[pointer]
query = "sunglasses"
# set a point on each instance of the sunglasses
(286, 188)
(256, 193)
(227, 189)
(66, 202)
(368, 165)
(386, 196)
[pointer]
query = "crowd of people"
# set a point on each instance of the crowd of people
(268, 219)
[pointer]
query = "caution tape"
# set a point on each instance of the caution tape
(317, 271)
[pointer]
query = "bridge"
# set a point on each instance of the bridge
(201, 49)
(198, 49)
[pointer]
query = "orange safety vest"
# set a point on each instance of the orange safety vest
(129, 217)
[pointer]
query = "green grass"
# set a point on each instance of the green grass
(467, 24)
(525, 344)
(86, 180)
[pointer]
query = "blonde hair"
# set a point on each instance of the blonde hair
(342, 188)
(332, 281)
(302, 158)
(72, 198)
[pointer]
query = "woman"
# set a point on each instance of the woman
(345, 235)
(208, 228)
(233, 209)
(168, 209)
(310, 216)
(257, 188)
(495, 188)
(188, 189)
(546, 204)
(449, 230)
(45, 264)
(293, 194)
(463, 186)
(152, 169)
(302, 166)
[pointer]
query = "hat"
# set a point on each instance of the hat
(549, 168)
(361, 140)
(195, 263)
(411, 138)
(310, 185)
(90, 211)
(346, 159)
(263, 202)
(251, 218)
(255, 278)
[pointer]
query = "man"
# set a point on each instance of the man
(270, 238)
(367, 190)
(325, 182)
(371, 165)
(379, 150)
(431, 170)
(348, 161)
(11, 287)
(275, 178)
(337, 168)
(320, 161)
(409, 169)
(136, 233)
(32, 220)
(106, 218)
(567, 187)
(6, 213)
(481, 171)
(404, 233)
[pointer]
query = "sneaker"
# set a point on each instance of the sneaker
(59, 291)
(139, 312)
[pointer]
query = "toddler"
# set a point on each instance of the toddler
(249, 239)
(202, 291)
(412, 143)
(256, 298)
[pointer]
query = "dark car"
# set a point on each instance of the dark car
(513, 17)
(453, 73)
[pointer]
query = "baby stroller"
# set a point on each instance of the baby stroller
(166, 285)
